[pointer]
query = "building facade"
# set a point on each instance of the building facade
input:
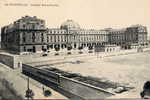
(29, 34)
(126, 37)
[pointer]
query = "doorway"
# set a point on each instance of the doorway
(34, 49)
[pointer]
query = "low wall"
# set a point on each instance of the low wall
(82, 89)
(44, 60)
(34, 59)
(11, 61)
(15, 61)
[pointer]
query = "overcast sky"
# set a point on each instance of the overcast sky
(90, 14)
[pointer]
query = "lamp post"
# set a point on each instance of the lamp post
(29, 92)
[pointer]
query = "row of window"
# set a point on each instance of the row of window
(77, 32)
(33, 36)
(67, 38)
(63, 38)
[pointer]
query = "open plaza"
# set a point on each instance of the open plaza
(129, 68)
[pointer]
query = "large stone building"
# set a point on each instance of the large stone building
(136, 34)
(29, 34)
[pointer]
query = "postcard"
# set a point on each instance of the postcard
(74, 49)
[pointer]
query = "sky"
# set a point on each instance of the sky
(89, 14)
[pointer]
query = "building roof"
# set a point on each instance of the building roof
(70, 25)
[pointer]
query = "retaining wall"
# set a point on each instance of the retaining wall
(83, 90)
(67, 86)
(11, 61)
(15, 61)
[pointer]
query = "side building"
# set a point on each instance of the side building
(27, 34)
(135, 35)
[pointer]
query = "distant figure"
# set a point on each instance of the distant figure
(46, 92)
(146, 91)
(43, 89)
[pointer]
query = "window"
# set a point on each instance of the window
(24, 38)
(42, 37)
(42, 47)
(24, 48)
(51, 38)
(24, 26)
(33, 26)
(33, 37)
(47, 39)
(58, 38)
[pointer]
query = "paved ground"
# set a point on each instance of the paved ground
(20, 83)
(132, 70)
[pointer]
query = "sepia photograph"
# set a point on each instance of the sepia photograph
(74, 49)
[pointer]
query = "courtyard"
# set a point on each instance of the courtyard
(130, 70)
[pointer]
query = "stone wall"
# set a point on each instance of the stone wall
(69, 86)
(11, 61)
(40, 60)
(83, 90)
